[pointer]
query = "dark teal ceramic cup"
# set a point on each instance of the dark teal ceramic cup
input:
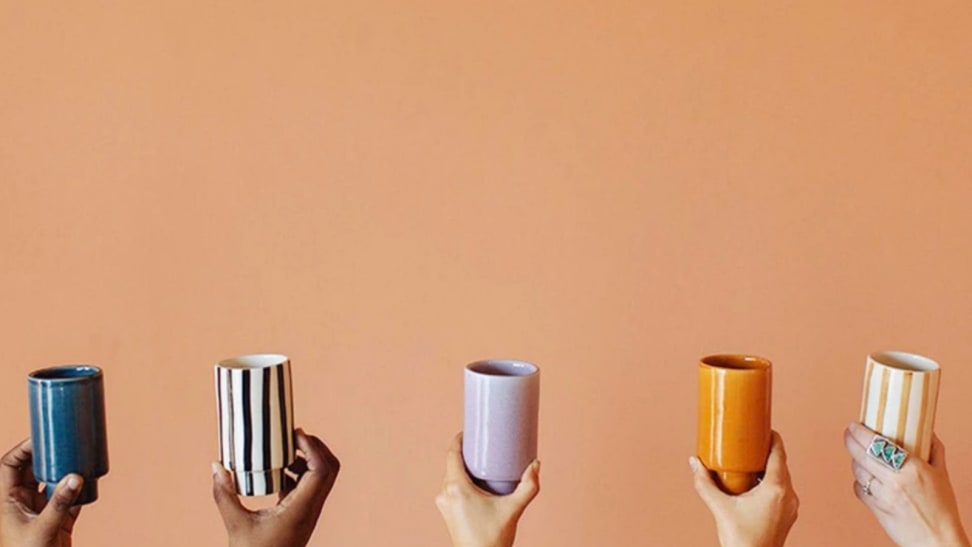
(67, 426)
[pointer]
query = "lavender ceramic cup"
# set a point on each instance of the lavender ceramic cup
(499, 437)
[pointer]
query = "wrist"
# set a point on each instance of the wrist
(953, 536)
(736, 540)
(504, 540)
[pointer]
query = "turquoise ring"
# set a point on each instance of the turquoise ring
(888, 453)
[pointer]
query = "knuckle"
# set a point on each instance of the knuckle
(453, 489)
(794, 504)
(776, 492)
(442, 501)
(895, 486)
(910, 473)
(62, 502)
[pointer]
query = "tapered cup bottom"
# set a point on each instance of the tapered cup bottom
(259, 483)
(89, 491)
(737, 483)
(500, 488)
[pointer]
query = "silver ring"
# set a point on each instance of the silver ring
(885, 451)
(867, 486)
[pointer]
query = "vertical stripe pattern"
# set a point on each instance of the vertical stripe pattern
(899, 399)
(255, 407)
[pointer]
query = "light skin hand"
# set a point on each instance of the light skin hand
(476, 518)
(916, 504)
(761, 517)
(291, 522)
(27, 518)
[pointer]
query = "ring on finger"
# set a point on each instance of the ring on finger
(867, 486)
(887, 452)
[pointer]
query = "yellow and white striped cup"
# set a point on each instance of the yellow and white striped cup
(900, 396)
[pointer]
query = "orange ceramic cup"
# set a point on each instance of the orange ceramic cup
(734, 419)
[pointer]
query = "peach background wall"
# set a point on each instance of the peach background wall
(386, 191)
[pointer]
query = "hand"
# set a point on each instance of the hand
(291, 522)
(761, 517)
(476, 518)
(915, 505)
(27, 519)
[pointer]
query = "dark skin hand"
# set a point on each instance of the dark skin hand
(27, 518)
(291, 522)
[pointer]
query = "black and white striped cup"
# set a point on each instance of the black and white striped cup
(256, 421)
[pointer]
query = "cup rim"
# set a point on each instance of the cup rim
(743, 363)
(49, 375)
(904, 360)
(252, 361)
(528, 368)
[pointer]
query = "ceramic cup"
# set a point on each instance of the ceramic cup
(67, 427)
(734, 434)
(499, 436)
(900, 397)
(256, 421)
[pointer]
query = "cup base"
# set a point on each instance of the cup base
(737, 483)
(89, 491)
(500, 488)
(259, 483)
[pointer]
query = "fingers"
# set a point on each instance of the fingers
(58, 511)
(322, 470)
(224, 494)
(16, 465)
(936, 457)
(863, 476)
(874, 503)
(319, 457)
(297, 469)
(705, 486)
(857, 438)
(455, 466)
(776, 469)
(529, 485)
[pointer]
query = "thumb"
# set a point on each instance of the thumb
(58, 508)
(224, 494)
(704, 485)
(529, 485)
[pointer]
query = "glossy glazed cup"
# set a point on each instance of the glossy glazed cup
(502, 405)
(735, 434)
(900, 397)
(67, 427)
(254, 400)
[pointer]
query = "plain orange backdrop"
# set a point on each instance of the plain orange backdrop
(388, 190)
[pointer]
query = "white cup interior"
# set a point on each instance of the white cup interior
(503, 367)
(905, 361)
(257, 360)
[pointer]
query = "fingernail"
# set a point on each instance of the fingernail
(73, 483)
(693, 463)
(217, 468)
